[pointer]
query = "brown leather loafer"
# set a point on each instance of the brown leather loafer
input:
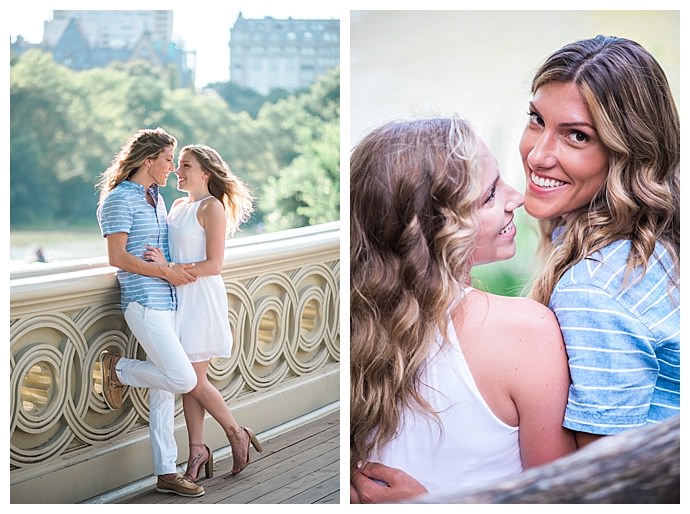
(112, 387)
(178, 485)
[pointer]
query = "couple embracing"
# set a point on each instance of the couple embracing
(172, 294)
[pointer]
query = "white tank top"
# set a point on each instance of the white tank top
(473, 448)
(187, 238)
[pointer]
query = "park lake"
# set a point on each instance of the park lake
(55, 245)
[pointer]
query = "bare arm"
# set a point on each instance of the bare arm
(583, 438)
(540, 388)
(120, 258)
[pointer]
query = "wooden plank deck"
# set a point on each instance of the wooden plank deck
(299, 466)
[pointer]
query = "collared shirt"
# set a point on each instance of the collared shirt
(622, 339)
(125, 209)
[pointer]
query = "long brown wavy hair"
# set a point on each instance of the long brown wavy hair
(224, 185)
(413, 192)
(630, 100)
(144, 144)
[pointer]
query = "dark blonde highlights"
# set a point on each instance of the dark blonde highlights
(413, 194)
(630, 100)
(144, 144)
(224, 185)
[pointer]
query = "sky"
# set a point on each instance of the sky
(203, 26)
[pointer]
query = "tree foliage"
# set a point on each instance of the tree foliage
(66, 127)
(243, 99)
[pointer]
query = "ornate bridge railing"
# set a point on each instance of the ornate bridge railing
(67, 446)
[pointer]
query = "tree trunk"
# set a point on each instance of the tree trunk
(636, 466)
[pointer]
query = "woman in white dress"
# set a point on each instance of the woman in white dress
(217, 203)
(450, 385)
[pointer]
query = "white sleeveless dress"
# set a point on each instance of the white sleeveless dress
(472, 449)
(202, 306)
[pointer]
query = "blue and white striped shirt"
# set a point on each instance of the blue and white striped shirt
(125, 209)
(623, 341)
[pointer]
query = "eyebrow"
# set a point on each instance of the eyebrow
(569, 124)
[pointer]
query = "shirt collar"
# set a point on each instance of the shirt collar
(153, 188)
(557, 235)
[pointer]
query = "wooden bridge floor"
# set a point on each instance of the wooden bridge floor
(301, 466)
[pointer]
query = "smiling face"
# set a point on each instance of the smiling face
(495, 213)
(191, 177)
(161, 166)
(564, 160)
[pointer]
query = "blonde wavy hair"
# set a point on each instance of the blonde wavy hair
(144, 144)
(413, 194)
(224, 185)
(630, 100)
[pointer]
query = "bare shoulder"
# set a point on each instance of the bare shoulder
(211, 206)
(519, 320)
(527, 343)
(211, 213)
(513, 309)
(523, 374)
(511, 345)
(178, 201)
(524, 311)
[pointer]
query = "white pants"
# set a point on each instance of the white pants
(166, 371)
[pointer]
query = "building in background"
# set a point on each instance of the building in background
(83, 40)
(290, 54)
(111, 29)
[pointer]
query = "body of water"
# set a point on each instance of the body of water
(64, 245)
(54, 245)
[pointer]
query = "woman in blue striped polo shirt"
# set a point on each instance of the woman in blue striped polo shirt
(132, 215)
(601, 154)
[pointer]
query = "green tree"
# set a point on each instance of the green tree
(41, 102)
(243, 99)
(66, 126)
(307, 192)
(307, 188)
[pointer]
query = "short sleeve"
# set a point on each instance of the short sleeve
(115, 214)
(611, 357)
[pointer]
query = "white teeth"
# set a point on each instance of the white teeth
(506, 229)
(545, 182)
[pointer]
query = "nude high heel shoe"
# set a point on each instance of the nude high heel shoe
(194, 463)
(252, 439)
